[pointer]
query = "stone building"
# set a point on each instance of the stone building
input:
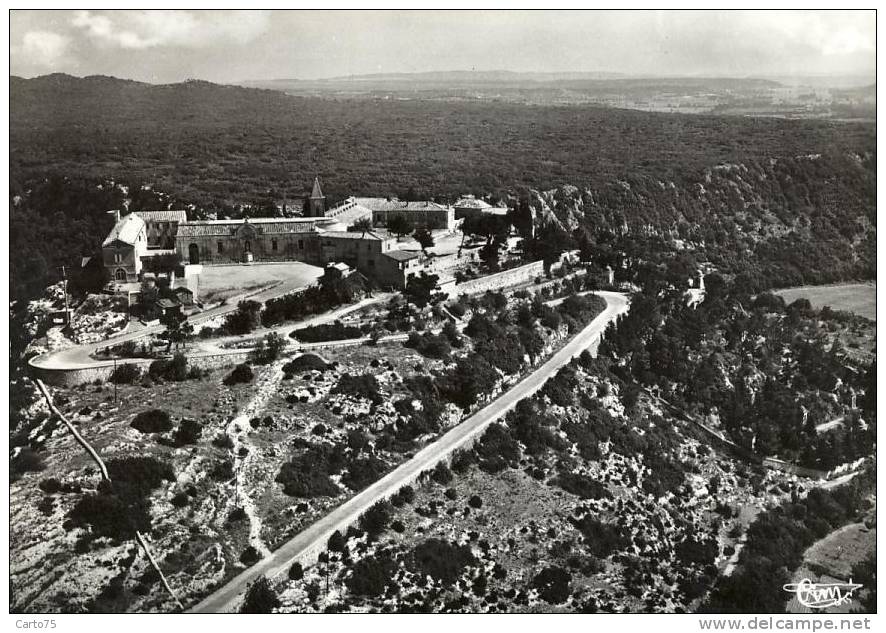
(316, 239)
(162, 227)
(123, 249)
(469, 206)
(249, 240)
(424, 214)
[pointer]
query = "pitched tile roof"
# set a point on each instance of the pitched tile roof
(126, 230)
(470, 202)
(386, 204)
(355, 235)
(401, 256)
(349, 211)
(163, 216)
(263, 226)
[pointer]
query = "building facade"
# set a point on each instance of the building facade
(124, 248)
(250, 240)
(419, 214)
(162, 226)
(318, 239)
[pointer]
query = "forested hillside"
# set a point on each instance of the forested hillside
(798, 196)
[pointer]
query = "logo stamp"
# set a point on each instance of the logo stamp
(822, 595)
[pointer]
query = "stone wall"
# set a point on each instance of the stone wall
(503, 279)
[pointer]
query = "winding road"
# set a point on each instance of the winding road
(82, 356)
(312, 541)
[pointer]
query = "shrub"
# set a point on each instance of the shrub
(305, 362)
(552, 584)
(174, 369)
(50, 486)
(602, 539)
(370, 576)
(475, 502)
(362, 472)
(430, 345)
(121, 506)
(152, 421)
(126, 374)
(260, 598)
(441, 474)
(457, 309)
(336, 542)
(296, 572)
(441, 560)
(406, 494)
(223, 440)
(242, 373)
(27, 460)
(188, 432)
(582, 486)
(462, 459)
(245, 319)
(375, 519)
(496, 449)
(326, 332)
(250, 556)
(223, 470)
(237, 514)
(362, 386)
(180, 500)
(307, 474)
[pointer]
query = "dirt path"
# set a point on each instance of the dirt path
(238, 430)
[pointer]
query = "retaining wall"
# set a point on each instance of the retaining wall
(503, 279)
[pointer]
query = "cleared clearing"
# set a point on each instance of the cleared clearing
(218, 283)
(858, 298)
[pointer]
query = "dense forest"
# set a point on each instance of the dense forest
(795, 200)
(766, 372)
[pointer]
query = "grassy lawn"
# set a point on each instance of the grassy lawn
(223, 282)
(858, 298)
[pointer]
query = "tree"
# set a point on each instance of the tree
(148, 302)
(420, 289)
(260, 598)
(424, 239)
(178, 330)
(398, 225)
(245, 319)
(363, 224)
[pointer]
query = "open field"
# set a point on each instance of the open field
(223, 282)
(858, 298)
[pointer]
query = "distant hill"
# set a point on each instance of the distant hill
(59, 98)
(593, 82)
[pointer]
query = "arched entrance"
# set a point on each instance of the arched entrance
(194, 254)
(120, 274)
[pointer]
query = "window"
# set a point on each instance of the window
(273, 245)
(221, 248)
(301, 245)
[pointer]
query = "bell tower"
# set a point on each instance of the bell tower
(317, 201)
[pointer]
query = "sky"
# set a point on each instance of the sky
(233, 46)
